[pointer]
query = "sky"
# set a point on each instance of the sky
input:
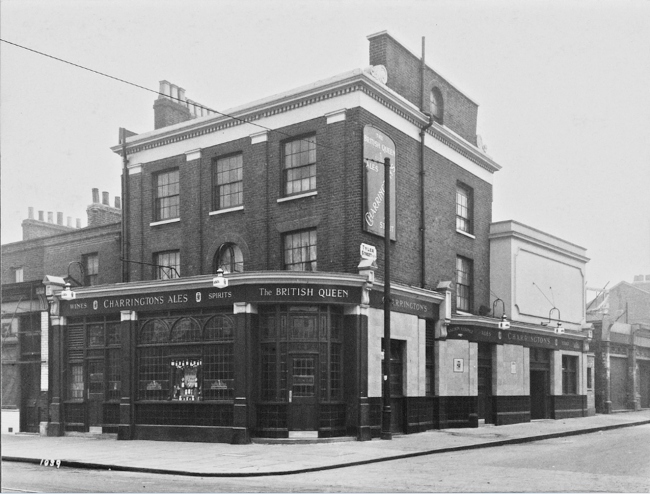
(563, 89)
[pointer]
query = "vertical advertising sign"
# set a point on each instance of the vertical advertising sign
(376, 147)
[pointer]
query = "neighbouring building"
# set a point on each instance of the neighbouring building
(247, 310)
(543, 365)
(82, 256)
(621, 319)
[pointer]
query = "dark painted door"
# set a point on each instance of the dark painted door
(618, 382)
(644, 383)
(539, 399)
(95, 392)
(30, 387)
(303, 392)
(485, 382)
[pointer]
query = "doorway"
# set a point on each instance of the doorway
(540, 384)
(95, 393)
(303, 392)
(485, 382)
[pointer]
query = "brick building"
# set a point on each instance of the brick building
(621, 319)
(83, 256)
(280, 194)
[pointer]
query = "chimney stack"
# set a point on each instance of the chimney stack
(95, 196)
(105, 198)
(41, 216)
(78, 223)
(59, 218)
(69, 222)
(118, 202)
(50, 217)
(30, 213)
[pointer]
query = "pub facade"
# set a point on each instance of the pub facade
(246, 310)
(268, 355)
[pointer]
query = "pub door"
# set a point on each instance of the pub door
(485, 382)
(95, 393)
(539, 397)
(303, 392)
(540, 383)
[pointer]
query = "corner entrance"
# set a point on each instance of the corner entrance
(303, 393)
(301, 370)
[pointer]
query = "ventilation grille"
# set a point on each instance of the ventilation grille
(75, 342)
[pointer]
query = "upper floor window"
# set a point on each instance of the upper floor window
(435, 104)
(227, 188)
(464, 208)
(167, 265)
(463, 284)
(91, 269)
(229, 258)
(166, 195)
(300, 251)
(18, 275)
(300, 165)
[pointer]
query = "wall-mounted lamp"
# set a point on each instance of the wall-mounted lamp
(504, 323)
(220, 281)
(558, 328)
(67, 293)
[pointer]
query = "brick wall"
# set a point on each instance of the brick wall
(336, 210)
(53, 254)
(405, 76)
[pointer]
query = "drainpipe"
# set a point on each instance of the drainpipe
(125, 208)
(423, 132)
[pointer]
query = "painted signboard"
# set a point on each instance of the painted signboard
(407, 305)
(377, 146)
(213, 297)
(513, 337)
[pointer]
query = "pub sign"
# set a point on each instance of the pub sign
(376, 147)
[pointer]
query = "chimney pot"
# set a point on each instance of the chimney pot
(105, 198)
(41, 216)
(50, 217)
(59, 218)
(30, 213)
(78, 223)
(95, 196)
(69, 222)
(118, 202)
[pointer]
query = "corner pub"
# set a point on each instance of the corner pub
(266, 355)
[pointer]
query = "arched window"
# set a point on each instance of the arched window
(155, 331)
(436, 104)
(185, 330)
(229, 258)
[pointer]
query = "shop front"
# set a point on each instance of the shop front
(269, 355)
(521, 373)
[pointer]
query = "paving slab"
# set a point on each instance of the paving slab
(226, 460)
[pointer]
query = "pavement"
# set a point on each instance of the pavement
(103, 451)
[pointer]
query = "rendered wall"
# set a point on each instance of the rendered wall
(511, 358)
(404, 327)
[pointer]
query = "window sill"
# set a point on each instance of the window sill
(164, 222)
(226, 210)
(298, 196)
(465, 233)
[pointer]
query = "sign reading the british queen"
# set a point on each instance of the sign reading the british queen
(377, 146)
